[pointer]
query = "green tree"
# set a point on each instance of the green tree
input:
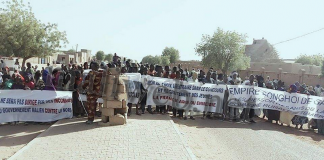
(22, 35)
(165, 60)
(152, 60)
(109, 57)
(71, 50)
(304, 59)
(100, 55)
(223, 50)
(317, 59)
(172, 53)
(241, 62)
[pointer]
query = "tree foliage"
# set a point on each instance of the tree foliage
(241, 62)
(109, 57)
(223, 50)
(71, 50)
(165, 60)
(310, 59)
(152, 59)
(172, 53)
(100, 55)
(22, 35)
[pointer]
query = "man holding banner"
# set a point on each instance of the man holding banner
(247, 112)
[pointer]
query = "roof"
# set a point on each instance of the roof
(258, 46)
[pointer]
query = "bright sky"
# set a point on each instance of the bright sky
(136, 28)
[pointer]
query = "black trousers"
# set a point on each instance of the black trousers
(247, 112)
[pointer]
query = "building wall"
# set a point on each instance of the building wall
(286, 67)
(288, 78)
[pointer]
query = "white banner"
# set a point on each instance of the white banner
(185, 95)
(133, 87)
(261, 98)
(35, 106)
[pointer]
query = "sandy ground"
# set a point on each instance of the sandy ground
(13, 138)
(216, 139)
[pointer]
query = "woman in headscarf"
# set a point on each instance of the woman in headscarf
(39, 83)
(48, 81)
(18, 82)
(300, 120)
(28, 82)
(286, 117)
(272, 114)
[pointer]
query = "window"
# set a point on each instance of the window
(42, 60)
(63, 58)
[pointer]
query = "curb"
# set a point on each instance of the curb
(31, 142)
(189, 151)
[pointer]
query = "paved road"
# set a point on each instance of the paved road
(13, 138)
(214, 139)
(144, 137)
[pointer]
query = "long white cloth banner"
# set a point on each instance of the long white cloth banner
(261, 98)
(36, 106)
(184, 95)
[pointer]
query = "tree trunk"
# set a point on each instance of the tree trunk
(224, 71)
(23, 68)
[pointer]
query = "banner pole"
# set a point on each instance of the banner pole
(82, 104)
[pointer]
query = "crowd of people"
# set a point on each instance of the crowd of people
(60, 78)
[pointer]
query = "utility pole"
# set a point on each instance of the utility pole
(76, 52)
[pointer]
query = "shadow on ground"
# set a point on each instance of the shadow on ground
(260, 125)
(13, 135)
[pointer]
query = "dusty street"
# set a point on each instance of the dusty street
(215, 139)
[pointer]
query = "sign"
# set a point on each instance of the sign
(35, 106)
(185, 95)
(262, 98)
(133, 87)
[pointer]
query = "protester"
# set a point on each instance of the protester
(173, 74)
(29, 83)
(300, 120)
(39, 83)
(273, 115)
(78, 110)
(234, 112)
(248, 113)
(94, 94)
(286, 117)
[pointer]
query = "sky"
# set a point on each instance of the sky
(136, 28)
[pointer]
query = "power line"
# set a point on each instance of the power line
(299, 36)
